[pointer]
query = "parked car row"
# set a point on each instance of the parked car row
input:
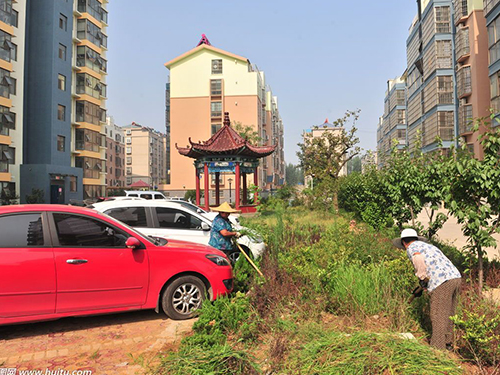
(174, 220)
(59, 261)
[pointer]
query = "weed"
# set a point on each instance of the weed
(368, 353)
(214, 360)
(96, 355)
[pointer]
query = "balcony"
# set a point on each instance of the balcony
(465, 121)
(489, 5)
(464, 84)
(462, 44)
(461, 10)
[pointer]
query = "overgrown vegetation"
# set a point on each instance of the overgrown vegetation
(333, 300)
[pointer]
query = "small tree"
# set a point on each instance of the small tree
(36, 196)
(473, 192)
(294, 175)
(8, 197)
(247, 132)
(324, 157)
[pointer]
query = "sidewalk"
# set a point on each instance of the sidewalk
(451, 232)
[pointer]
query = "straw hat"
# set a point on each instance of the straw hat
(225, 207)
(407, 233)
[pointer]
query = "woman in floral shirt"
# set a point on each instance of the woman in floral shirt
(442, 280)
(222, 231)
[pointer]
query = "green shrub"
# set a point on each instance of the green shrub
(221, 317)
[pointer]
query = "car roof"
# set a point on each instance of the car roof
(136, 203)
(44, 207)
(143, 192)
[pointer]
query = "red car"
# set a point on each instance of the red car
(58, 261)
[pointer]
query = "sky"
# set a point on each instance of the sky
(320, 58)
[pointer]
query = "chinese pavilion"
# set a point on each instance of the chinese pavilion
(226, 151)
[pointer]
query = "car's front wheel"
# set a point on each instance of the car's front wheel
(183, 297)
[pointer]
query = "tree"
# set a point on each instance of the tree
(472, 192)
(325, 156)
(247, 132)
(354, 165)
(294, 175)
(36, 196)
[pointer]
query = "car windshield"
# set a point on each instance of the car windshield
(191, 207)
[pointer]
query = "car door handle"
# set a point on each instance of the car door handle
(76, 261)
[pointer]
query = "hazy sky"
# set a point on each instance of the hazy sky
(320, 58)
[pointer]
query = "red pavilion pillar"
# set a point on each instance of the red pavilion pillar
(237, 181)
(207, 195)
(217, 188)
(256, 183)
(197, 176)
(244, 189)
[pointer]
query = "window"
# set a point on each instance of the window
(72, 184)
(80, 231)
(21, 230)
(442, 19)
(89, 112)
(129, 150)
(129, 170)
(7, 14)
(172, 218)
(61, 82)
(61, 143)
(62, 52)
(6, 46)
(133, 216)
(88, 140)
(94, 8)
(7, 156)
(14, 19)
(216, 109)
(91, 32)
(129, 160)
(216, 87)
(91, 168)
(61, 112)
(215, 128)
(217, 66)
(63, 22)
(128, 140)
(7, 84)
(87, 84)
(91, 59)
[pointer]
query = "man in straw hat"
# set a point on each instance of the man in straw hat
(222, 231)
(440, 277)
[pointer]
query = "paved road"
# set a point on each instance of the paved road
(108, 344)
(452, 233)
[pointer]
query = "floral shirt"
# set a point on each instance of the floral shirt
(439, 267)
(217, 240)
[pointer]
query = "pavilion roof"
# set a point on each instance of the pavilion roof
(225, 142)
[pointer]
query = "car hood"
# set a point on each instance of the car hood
(191, 246)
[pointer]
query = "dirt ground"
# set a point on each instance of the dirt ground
(109, 344)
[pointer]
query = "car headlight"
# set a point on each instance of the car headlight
(217, 259)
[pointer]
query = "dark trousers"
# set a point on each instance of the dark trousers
(444, 301)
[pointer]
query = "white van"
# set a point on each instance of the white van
(146, 194)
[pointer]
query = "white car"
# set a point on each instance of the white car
(167, 219)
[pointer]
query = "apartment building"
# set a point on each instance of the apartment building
(204, 83)
(473, 83)
(64, 122)
(430, 77)
(392, 125)
(273, 166)
(145, 156)
(115, 155)
(12, 34)
(492, 14)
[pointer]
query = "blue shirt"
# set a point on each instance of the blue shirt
(217, 240)
(439, 267)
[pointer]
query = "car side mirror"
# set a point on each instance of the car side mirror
(133, 243)
(205, 226)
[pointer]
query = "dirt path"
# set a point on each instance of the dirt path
(110, 344)
(452, 233)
